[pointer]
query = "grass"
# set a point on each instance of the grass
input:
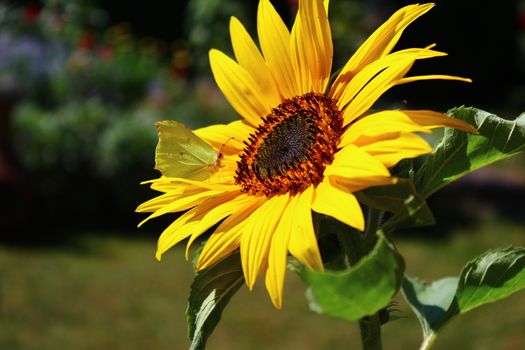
(108, 292)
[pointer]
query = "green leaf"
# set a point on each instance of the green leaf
(460, 153)
(430, 303)
(211, 291)
(490, 277)
(409, 207)
(359, 291)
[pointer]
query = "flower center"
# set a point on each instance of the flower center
(289, 151)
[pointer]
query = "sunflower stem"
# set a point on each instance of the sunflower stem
(357, 246)
(370, 329)
(370, 326)
(373, 217)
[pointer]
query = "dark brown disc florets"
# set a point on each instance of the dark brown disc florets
(289, 151)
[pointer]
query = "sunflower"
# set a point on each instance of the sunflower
(302, 144)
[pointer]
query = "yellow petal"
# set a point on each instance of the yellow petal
(391, 151)
(369, 94)
(177, 231)
(255, 241)
(335, 201)
(352, 162)
(355, 169)
(164, 184)
(380, 123)
(239, 88)
(299, 59)
(406, 80)
(274, 39)
(380, 43)
(227, 137)
(158, 202)
(214, 210)
(303, 241)
(360, 183)
(249, 57)
(227, 237)
(187, 201)
(370, 71)
(433, 119)
(208, 183)
(173, 188)
(277, 256)
(197, 220)
(311, 45)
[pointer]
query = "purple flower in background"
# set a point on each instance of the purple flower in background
(25, 58)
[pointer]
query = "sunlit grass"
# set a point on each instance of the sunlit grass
(108, 292)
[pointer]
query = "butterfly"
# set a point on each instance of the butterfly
(181, 153)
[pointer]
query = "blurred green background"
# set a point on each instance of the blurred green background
(82, 83)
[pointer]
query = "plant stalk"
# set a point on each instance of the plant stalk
(372, 224)
(357, 246)
(370, 329)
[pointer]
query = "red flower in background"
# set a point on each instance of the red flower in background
(86, 42)
(521, 20)
(106, 52)
(31, 13)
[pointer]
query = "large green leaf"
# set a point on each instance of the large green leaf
(490, 277)
(460, 153)
(210, 293)
(359, 291)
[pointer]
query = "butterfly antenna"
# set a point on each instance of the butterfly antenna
(220, 153)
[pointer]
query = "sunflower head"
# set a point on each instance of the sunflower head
(301, 145)
(290, 149)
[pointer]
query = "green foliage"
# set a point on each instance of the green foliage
(359, 291)
(459, 153)
(211, 291)
(83, 134)
(125, 144)
(207, 27)
(409, 208)
(490, 277)
(347, 38)
(118, 80)
(430, 302)
(59, 138)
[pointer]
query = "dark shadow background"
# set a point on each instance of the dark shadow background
(482, 42)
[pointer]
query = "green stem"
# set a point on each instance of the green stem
(370, 329)
(356, 246)
(352, 242)
(428, 342)
(372, 224)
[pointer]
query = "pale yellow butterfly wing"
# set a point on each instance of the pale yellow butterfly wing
(181, 153)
